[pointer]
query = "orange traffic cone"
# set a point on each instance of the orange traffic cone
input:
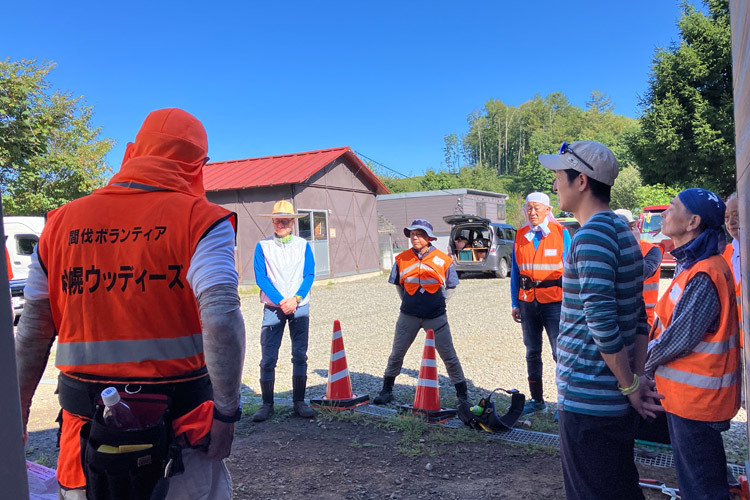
(427, 398)
(339, 394)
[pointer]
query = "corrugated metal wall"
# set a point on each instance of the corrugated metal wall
(402, 211)
(740, 24)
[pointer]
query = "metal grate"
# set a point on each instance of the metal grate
(519, 436)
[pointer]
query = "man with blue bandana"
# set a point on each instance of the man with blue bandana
(694, 351)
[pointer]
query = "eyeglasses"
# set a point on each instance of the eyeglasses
(565, 148)
(282, 222)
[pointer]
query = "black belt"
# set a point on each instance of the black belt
(80, 397)
(527, 283)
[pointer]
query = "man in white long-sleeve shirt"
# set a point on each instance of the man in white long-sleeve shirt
(137, 280)
(284, 272)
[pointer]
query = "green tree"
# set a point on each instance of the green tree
(657, 194)
(687, 128)
(49, 150)
(625, 189)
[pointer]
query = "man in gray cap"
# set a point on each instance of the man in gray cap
(601, 348)
(425, 279)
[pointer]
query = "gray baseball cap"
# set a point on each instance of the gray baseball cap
(587, 157)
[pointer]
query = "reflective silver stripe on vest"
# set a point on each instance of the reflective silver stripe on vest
(430, 281)
(411, 279)
(127, 351)
(647, 287)
(540, 267)
(650, 306)
(425, 267)
(696, 380)
(718, 347)
(413, 266)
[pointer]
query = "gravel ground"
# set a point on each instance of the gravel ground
(488, 342)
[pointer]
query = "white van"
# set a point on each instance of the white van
(21, 236)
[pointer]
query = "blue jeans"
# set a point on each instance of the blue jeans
(272, 329)
(597, 457)
(699, 458)
(534, 317)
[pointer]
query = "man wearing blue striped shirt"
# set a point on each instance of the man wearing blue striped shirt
(601, 348)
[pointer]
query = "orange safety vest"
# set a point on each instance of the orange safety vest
(116, 264)
(428, 273)
(7, 262)
(543, 263)
(650, 285)
(705, 384)
(728, 251)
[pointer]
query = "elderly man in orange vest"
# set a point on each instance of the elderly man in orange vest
(652, 255)
(138, 282)
(536, 288)
(425, 279)
(694, 353)
(732, 251)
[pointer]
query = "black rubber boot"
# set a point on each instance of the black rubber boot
(386, 393)
(298, 398)
(462, 393)
(265, 411)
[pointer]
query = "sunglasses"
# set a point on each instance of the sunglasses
(565, 148)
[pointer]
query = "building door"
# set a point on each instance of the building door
(313, 226)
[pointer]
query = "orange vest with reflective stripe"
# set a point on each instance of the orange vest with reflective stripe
(116, 263)
(705, 384)
(429, 273)
(543, 263)
(650, 285)
(728, 251)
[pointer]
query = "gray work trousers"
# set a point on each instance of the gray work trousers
(407, 328)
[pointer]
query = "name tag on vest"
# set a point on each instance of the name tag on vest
(550, 252)
(437, 260)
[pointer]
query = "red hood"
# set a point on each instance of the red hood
(169, 152)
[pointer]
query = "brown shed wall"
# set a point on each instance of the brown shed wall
(337, 189)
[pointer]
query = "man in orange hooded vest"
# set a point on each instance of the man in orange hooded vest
(694, 353)
(138, 282)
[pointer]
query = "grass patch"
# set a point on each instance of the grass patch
(533, 448)
(249, 290)
(329, 415)
(357, 444)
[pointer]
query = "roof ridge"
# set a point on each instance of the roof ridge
(286, 155)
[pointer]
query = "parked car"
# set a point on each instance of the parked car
(649, 224)
(21, 236)
(569, 223)
(489, 245)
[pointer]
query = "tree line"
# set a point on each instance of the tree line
(684, 137)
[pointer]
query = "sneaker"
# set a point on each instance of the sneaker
(556, 416)
(533, 406)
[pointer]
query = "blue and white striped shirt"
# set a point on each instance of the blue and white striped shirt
(602, 312)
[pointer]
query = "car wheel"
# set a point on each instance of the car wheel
(460, 274)
(502, 269)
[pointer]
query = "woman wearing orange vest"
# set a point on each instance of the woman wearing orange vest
(732, 252)
(652, 255)
(693, 353)
(425, 279)
(138, 281)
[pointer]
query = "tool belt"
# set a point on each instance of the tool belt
(527, 283)
(132, 464)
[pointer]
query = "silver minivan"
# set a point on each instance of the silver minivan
(487, 247)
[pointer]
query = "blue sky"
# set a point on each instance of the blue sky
(389, 79)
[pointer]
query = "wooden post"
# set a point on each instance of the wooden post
(13, 469)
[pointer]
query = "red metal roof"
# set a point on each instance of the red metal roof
(281, 169)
